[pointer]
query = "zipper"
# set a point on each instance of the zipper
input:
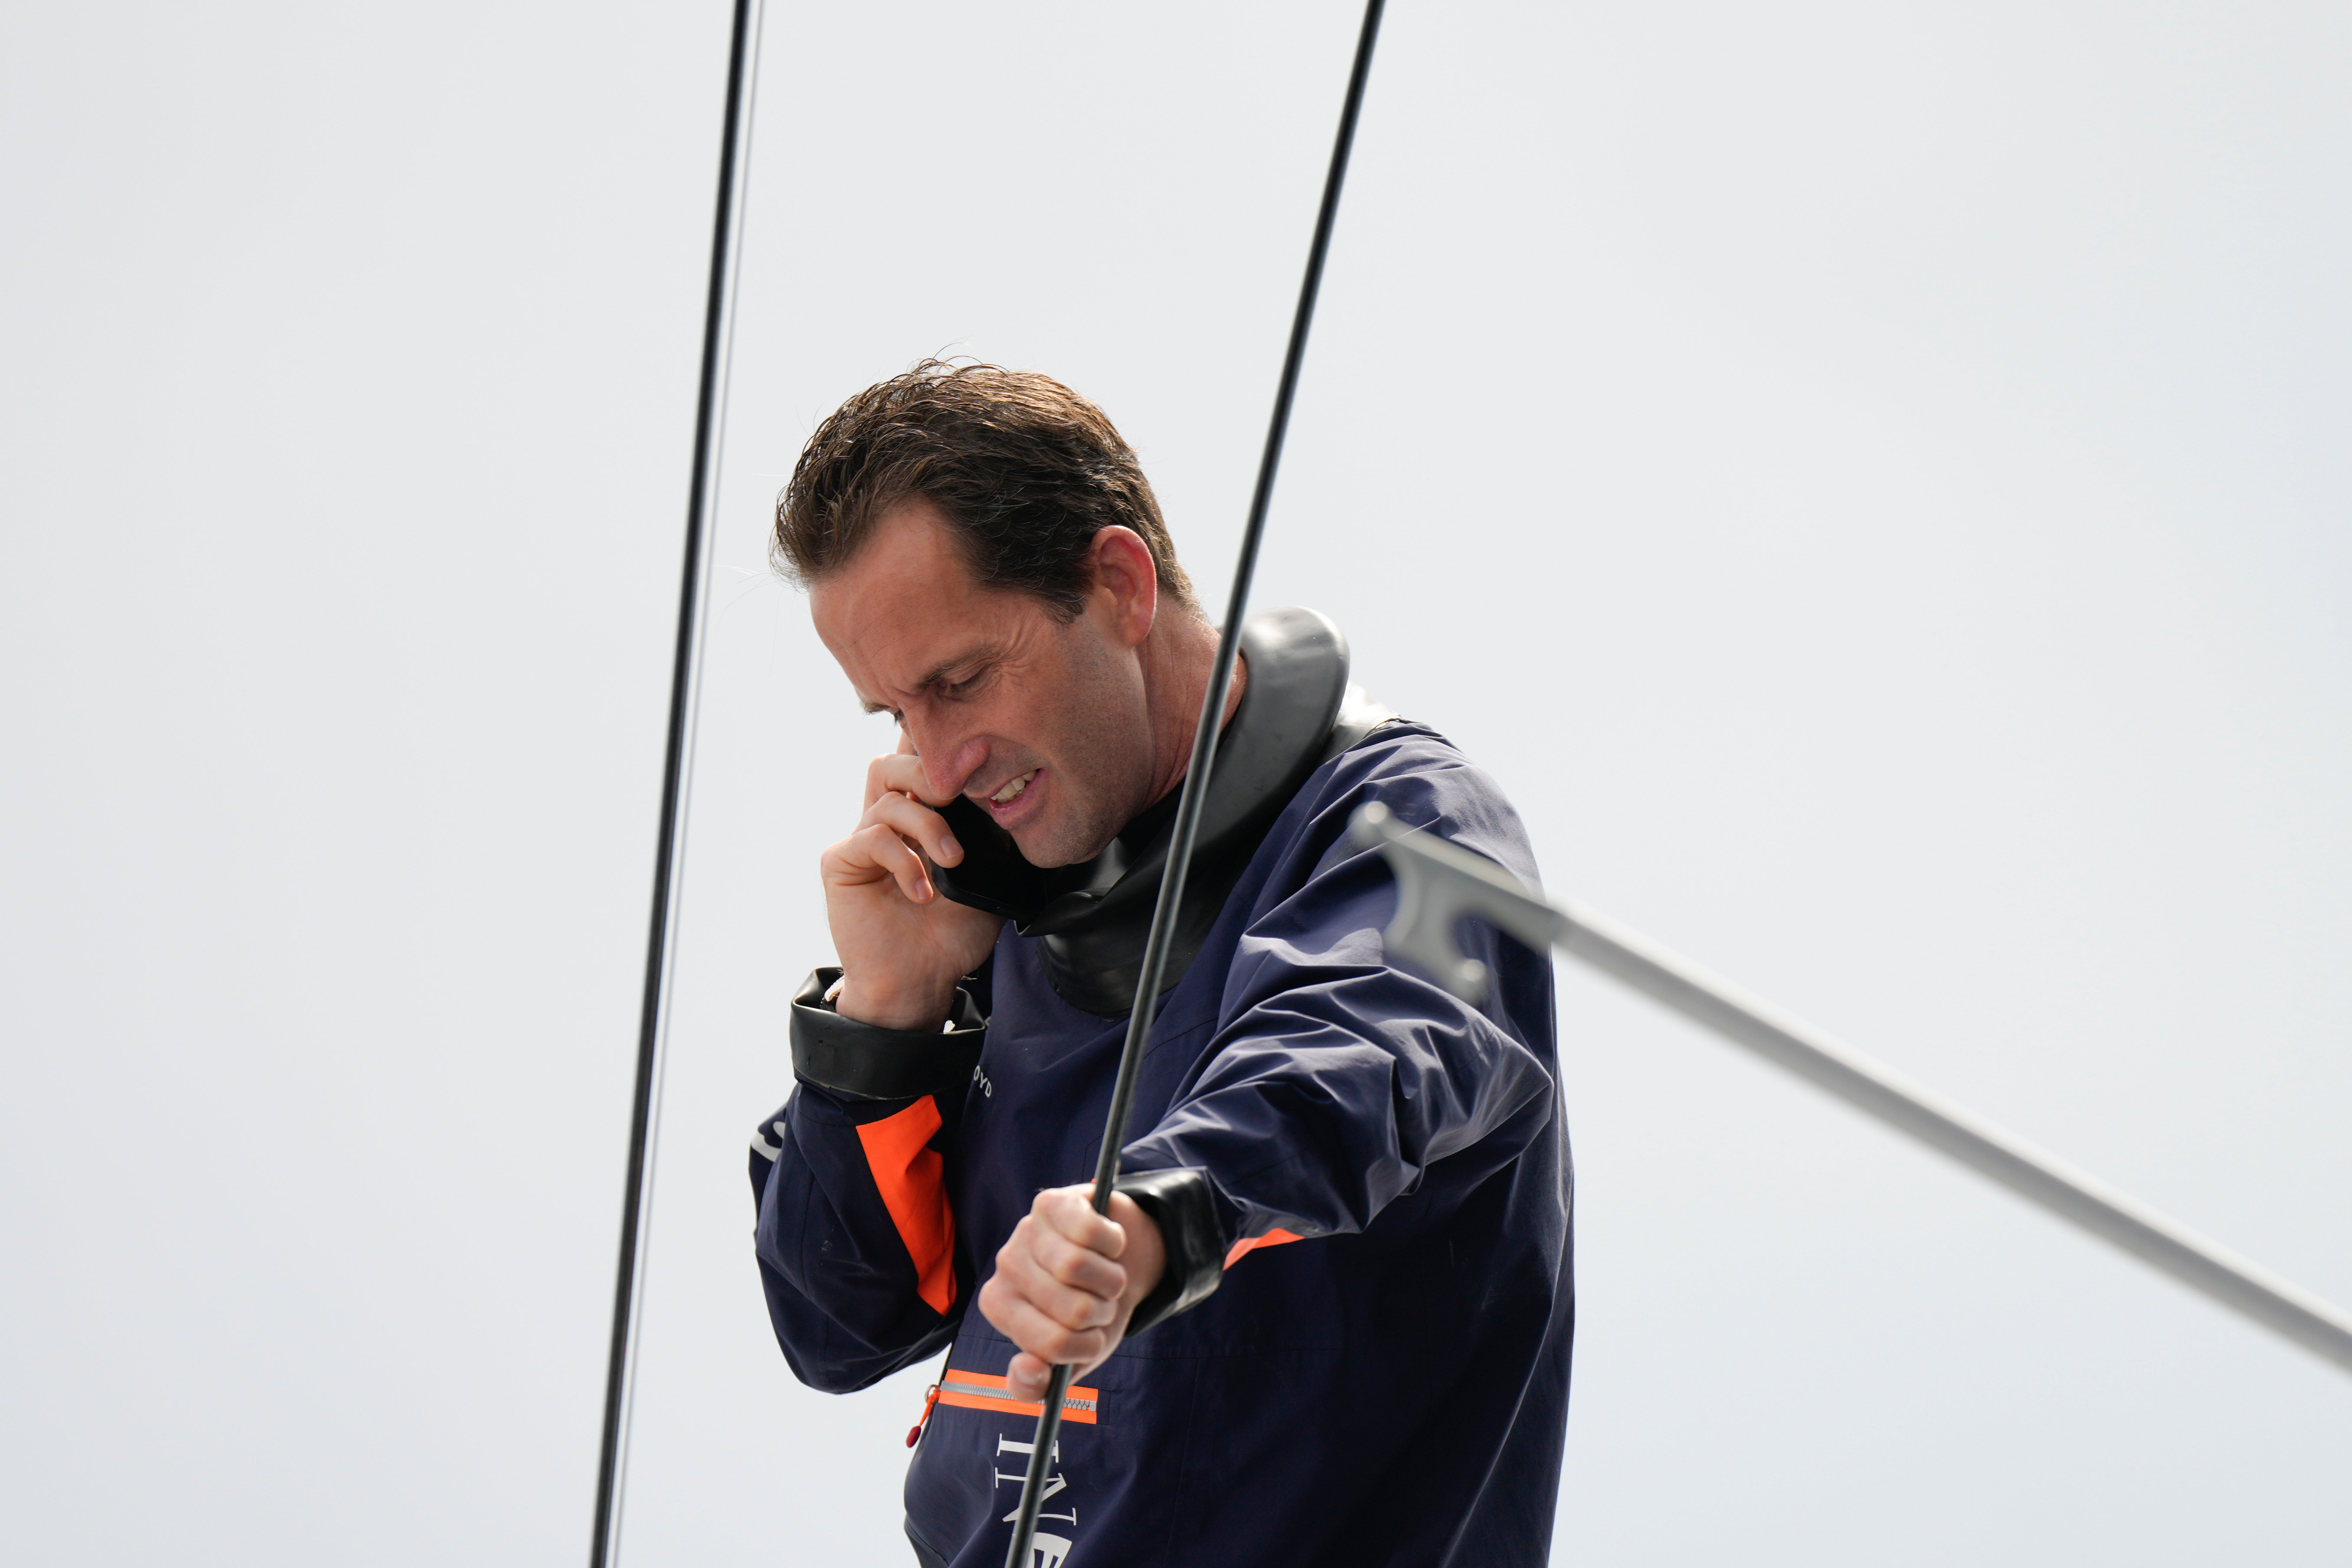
(915, 1432)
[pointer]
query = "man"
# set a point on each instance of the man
(1328, 1318)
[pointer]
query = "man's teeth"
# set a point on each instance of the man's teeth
(1006, 796)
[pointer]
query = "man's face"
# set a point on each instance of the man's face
(1045, 725)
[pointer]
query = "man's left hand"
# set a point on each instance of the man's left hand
(1067, 1281)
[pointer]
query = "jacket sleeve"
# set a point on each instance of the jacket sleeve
(1338, 1080)
(856, 1234)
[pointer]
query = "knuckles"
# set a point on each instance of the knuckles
(1090, 1284)
(1042, 1336)
(901, 772)
(1069, 1327)
(877, 840)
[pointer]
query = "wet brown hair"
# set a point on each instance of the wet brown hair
(1025, 470)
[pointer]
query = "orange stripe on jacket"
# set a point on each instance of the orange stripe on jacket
(1271, 1239)
(980, 1390)
(911, 1177)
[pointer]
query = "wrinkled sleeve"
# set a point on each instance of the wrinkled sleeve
(855, 1236)
(1338, 1080)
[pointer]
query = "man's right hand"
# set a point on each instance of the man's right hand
(902, 946)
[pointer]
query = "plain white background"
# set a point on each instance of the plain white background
(1870, 482)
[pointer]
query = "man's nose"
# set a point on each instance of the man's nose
(948, 762)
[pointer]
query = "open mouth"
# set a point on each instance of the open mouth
(1015, 800)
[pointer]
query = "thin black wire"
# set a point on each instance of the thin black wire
(1196, 772)
(681, 700)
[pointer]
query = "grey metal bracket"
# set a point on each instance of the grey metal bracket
(1439, 884)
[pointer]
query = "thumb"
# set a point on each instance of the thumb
(1026, 1378)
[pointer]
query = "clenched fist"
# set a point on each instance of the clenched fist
(1067, 1281)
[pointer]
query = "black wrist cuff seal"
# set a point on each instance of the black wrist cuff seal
(865, 1061)
(1178, 1203)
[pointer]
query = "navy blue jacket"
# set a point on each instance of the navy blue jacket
(1381, 1376)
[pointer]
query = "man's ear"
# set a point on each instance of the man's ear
(1125, 591)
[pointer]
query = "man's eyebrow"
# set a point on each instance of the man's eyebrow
(938, 673)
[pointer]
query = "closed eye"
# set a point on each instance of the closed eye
(957, 691)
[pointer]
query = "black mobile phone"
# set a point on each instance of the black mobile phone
(994, 875)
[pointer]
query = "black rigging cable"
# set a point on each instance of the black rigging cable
(726, 240)
(703, 495)
(1196, 772)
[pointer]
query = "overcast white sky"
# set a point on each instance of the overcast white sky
(1871, 481)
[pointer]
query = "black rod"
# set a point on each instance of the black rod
(701, 497)
(1196, 770)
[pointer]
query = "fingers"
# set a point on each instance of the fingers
(1026, 1377)
(912, 820)
(894, 791)
(1069, 1213)
(882, 776)
(1020, 1321)
(899, 774)
(878, 850)
(885, 840)
(1056, 1293)
(1075, 1286)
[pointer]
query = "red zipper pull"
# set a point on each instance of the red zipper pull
(915, 1432)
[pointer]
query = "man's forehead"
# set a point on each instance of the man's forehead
(911, 552)
(905, 580)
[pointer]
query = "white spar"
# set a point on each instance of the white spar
(1439, 883)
